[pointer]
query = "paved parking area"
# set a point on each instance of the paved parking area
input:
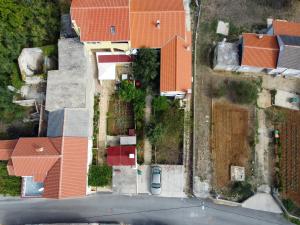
(173, 181)
(124, 180)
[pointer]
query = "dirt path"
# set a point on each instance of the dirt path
(147, 144)
(106, 90)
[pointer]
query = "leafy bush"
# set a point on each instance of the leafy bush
(160, 104)
(242, 189)
(288, 204)
(220, 91)
(154, 132)
(9, 185)
(100, 176)
(129, 93)
(49, 50)
(15, 78)
(245, 92)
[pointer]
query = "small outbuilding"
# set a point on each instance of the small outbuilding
(237, 173)
(121, 156)
(226, 57)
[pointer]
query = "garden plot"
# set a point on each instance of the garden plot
(289, 155)
(120, 117)
(229, 141)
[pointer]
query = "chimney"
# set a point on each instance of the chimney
(39, 149)
(260, 36)
(157, 24)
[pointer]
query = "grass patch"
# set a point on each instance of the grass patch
(100, 176)
(9, 185)
(96, 121)
(165, 134)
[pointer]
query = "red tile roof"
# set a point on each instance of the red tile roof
(260, 52)
(61, 163)
(145, 33)
(176, 65)
(96, 19)
(114, 58)
(156, 5)
(6, 148)
(119, 156)
(283, 27)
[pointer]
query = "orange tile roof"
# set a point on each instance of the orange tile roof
(145, 33)
(99, 3)
(283, 27)
(260, 52)
(95, 19)
(6, 148)
(143, 18)
(176, 65)
(74, 167)
(156, 5)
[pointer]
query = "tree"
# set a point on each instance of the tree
(245, 92)
(146, 66)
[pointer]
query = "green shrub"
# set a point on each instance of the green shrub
(242, 189)
(220, 91)
(100, 176)
(160, 104)
(275, 115)
(49, 50)
(15, 77)
(288, 204)
(245, 92)
(129, 93)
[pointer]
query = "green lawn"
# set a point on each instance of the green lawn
(9, 185)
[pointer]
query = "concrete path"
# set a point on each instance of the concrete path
(285, 84)
(263, 202)
(186, 4)
(261, 149)
(147, 144)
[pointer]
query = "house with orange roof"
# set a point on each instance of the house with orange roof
(127, 25)
(49, 167)
(276, 52)
(259, 53)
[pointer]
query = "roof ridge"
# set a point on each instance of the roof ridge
(263, 48)
(157, 11)
(61, 166)
(101, 7)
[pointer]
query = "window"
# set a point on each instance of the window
(113, 30)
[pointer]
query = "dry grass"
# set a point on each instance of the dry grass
(230, 145)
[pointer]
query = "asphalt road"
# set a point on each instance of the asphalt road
(138, 210)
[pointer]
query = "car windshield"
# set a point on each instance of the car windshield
(155, 185)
